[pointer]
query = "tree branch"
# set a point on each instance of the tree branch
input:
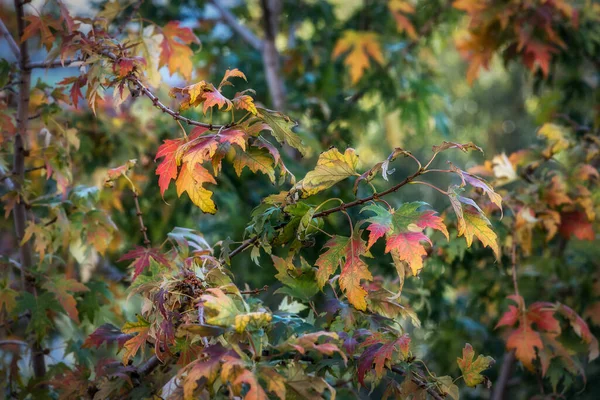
(55, 64)
(20, 212)
(505, 373)
(11, 41)
(246, 34)
(249, 242)
(271, 11)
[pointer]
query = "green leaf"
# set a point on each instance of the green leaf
(281, 127)
(39, 323)
(472, 369)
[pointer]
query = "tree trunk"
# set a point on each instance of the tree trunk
(20, 210)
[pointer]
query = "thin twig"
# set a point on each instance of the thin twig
(11, 41)
(138, 212)
(255, 291)
(13, 342)
(513, 258)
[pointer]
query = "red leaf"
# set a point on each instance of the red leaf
(408, 247)
(575, 223)
(108, 334)
(141, 256)
(167, 169)
(524, 340)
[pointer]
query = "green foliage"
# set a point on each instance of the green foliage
(363, 278)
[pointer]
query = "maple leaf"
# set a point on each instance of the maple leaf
(398, 8)
(329, 261)
(214, 97)
(221, 309)
(309, 341)
(206, 368)
(174, 50)
(142, 330)
(381, 352)
(167, 169)
(233, 136)
(403, 229)
(360, 47)
(479, 183)
(332, 167)
(281, 126)
(38, 308)
(41, 24)
(581, 328)
(275, 382)
(478, 226)
(61, 288)
(576, 223)
(141, 259)
(470, 369)
(379, 224)
(537, 54)
(353, 271)
(191, 181)
(256, 160)
(106, 333)
(256, 320)
(473, 223)
(231, 73)
(244, 102)
(478, 50)
(524, 340)
(542, 314)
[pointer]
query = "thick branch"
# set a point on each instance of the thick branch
(271, 12)
(20, 212)
(246, 34)
(505, 373)
(11, 42)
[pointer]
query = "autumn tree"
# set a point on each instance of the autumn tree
(315, 273)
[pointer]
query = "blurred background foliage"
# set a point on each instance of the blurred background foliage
(417, 98)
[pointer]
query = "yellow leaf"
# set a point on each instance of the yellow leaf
(257, 319)
(332, 167)
(361, 46)
(191, 182)
(555, 135)
(256, 160)
(476, 225)
(398, 9)
(221, 309)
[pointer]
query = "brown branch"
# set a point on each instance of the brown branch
(158, 104)
(137, 83)
(231, 20)
(342, 207)
(271, 11)
(255, 291)
(505, 373)
(55, 64)
(20, 211)
(11, 41)
(418, 381)
(13, 342)
(513, 258)
(138, 212)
